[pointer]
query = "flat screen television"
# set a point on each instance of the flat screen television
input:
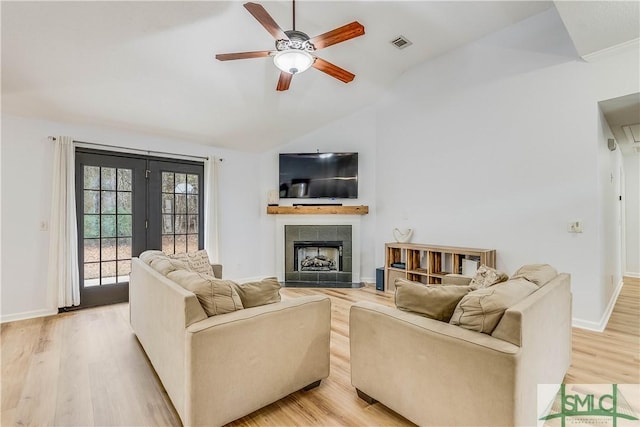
(318, 175)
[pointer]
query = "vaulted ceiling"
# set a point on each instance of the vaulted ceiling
(150, 67)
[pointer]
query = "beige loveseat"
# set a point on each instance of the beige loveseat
(435, 373)
(220, 368)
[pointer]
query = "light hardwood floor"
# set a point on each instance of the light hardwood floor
(87, 368)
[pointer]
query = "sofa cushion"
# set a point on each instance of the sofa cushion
(254, 294)
(197, 261)
(540, 274)
(161, 262)
(481, 310)
(434, 301)
(487, 276)
(215, 295)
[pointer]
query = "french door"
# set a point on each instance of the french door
(127, 204)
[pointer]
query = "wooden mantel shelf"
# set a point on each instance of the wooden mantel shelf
(317, 210)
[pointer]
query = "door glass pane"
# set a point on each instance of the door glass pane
(108, 179)
(108, 247)
(124, 180)
(192, 204)
(108, 202)
(91, 250)
(167, 224)
(124, 248)
(181, 183)
(92, 226)
(192, 242)
(181, 224)
(124, 202)
(91, 202)
(167, 244)
(124, 268)
(192, 224)
(167, 203)
(108, 228)
(124, 225)
(181, 243)
(181, 203)
(167, 182)
(91, 177)
(192, 184)
(108, 273)
(91, 274)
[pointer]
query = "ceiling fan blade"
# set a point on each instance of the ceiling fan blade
(284, 81)
(242, 55)
(266, 20)
(333, 70)
(346, 32)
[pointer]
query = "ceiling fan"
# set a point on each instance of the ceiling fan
(294, 51)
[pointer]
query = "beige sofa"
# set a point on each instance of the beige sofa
(435, 374)
(220, 368)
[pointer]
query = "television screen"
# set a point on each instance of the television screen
(319, 175)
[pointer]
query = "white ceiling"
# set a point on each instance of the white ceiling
(149, 66)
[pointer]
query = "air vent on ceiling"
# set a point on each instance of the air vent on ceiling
(401, 42)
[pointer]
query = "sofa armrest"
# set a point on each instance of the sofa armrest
(252, 357)
(217, 270)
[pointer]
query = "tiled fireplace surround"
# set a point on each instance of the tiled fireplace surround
(313, 235)
(332, 228)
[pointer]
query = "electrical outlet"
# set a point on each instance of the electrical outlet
(575, 226)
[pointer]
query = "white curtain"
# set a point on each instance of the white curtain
(211, 208)
(63, 244)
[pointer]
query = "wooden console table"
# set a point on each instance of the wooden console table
(318, 210)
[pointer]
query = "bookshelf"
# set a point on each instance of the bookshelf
(430, 263)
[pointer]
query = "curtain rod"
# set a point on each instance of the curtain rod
(148, 152)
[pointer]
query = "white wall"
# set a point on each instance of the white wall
(26, 185)
(356, 133)
(498, 144)
(632, 214)
(503, 139)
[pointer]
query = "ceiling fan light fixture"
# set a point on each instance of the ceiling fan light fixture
(293, 61)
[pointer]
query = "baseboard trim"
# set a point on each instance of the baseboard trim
(368, 279)
(602, 324)
(28, 315)
(633, 275)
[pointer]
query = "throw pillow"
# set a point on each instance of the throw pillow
(481, 310)
(165, 265)
(198, 261)
(540, 274)
(254, 294)
(216, 296)
(147, 256)
(487, 276)
(434, 301)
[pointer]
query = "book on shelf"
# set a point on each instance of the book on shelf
(401, 265)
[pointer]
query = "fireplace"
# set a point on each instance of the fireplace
(317, 256)
(318, 253)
